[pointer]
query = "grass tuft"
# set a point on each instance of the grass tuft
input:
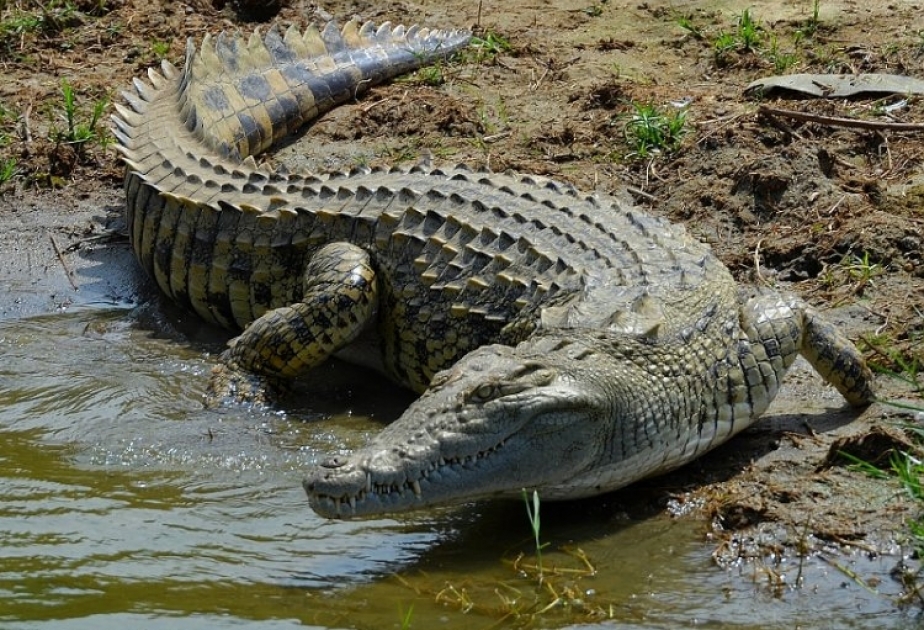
(532, 511)
(78, 129)
(650, 130)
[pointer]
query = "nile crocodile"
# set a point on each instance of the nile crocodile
(562, 342)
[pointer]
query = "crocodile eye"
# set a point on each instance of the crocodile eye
(484, 393)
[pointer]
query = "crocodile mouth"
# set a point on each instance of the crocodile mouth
(445, 476)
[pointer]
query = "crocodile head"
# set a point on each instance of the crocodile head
(501, 420)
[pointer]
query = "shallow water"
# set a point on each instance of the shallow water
(123, 503)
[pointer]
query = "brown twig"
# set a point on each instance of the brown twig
(638, 193)
(835, 121)
(67, 269)
(495, 137)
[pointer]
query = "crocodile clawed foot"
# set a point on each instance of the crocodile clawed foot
(230, 384)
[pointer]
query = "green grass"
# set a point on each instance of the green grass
(594, 10)
(907, 468)
(8, 164)
(686, 23)
(486, 47)
(23, 18)
(78, 126)
(8, 170)
(7, 117)
(540, 593)
(431, 75)
(746, 37)
(856, 272)
(861, 465)
(861, 269)
(79, 129)
(405, 617)
(814, 22)
(160, 49)
(782, 61)
(20, 23)
(749, 32)
(897, 364)
(532, 511)
(650, 130)
(723, 45)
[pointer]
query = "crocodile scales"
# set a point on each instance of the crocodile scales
(562, 342)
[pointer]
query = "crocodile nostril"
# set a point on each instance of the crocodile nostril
(334, 462)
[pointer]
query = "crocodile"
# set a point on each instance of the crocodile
(560, 341)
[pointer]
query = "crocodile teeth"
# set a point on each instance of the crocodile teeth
(368, 482)
(416, 486)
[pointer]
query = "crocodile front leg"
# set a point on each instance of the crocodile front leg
(340, 298)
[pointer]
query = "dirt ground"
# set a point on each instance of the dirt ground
(834, 213)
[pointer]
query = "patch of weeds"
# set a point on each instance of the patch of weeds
(77, 131)
(649, 130)
(431, 75)
(907, 467)
(853, 272)
(747, 37)
(492, 119)
(44, 19)
(686, 23)
(546, 591)
(8, 171)
(908, 470)
(20, 23)
(749, 31)
(594, 10)
(895, 362)
(97, 7)
(361, 160)
(861, 270)
(782, 61)
(73, 130)
(904, 463)
(405, 617)
(723, 45)
(114, 30)
(403, 153)
(814, 22)
(160, 49)
(487, 47)
(6, 117)
(532, 512)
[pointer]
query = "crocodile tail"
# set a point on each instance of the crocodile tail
(240, 95)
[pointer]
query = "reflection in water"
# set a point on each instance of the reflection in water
(124, 503)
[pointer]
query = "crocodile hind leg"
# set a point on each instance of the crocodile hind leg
(339, 300)
(779, 328)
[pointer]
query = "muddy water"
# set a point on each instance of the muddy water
(124, 504)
